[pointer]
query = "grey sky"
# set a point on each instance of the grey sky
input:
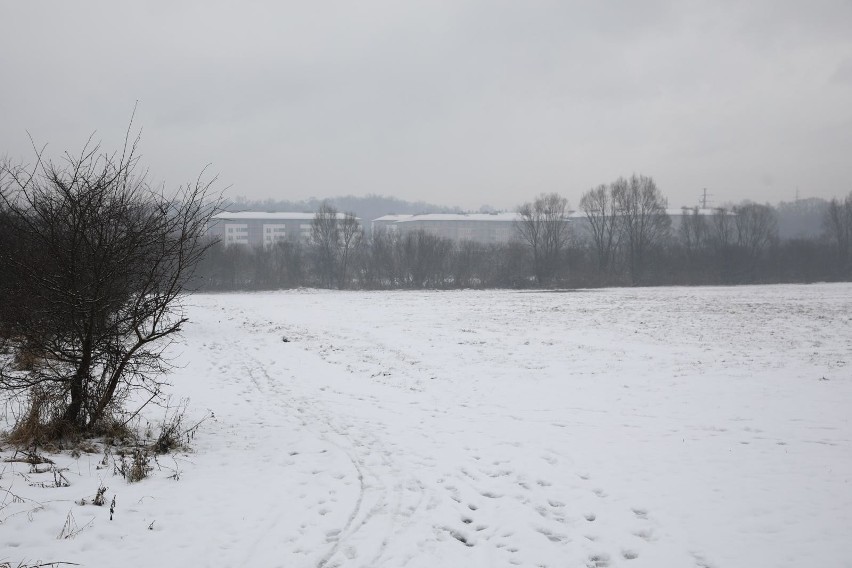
(456, 102)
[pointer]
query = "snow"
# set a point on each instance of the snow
(692, 211)
(487, 217)
(393, 218)
(267, 216)
(703, 427)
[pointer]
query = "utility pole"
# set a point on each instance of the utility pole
(704, 199)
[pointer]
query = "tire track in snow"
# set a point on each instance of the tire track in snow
(480, 510)
(377, 491)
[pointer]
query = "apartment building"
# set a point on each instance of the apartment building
(478, 227)
(254, 228)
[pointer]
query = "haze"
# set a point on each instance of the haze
(456, 103)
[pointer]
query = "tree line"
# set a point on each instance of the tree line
(95, 261)
(624, 237)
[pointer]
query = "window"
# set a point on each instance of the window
(274, 232)
(236, 234)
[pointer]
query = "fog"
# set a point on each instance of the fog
(455, 103)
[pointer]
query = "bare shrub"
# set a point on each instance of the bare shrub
(99, 498)
(174, 433)
(170, 436)
(134, 467)
(140, 465)
(96, 261)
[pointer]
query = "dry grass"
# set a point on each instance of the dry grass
(40, 424)
(131, 450)
(133, 467)
(114, 432)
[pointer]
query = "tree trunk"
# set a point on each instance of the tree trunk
(72, 411)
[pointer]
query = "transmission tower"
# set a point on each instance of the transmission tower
(704, 200)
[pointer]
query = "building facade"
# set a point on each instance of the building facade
(253, 228)
(478, 227)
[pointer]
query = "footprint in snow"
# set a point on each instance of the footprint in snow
(640, 513)
(551, 536)
(460, 537)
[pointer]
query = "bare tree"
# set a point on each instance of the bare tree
(756, 228)
(378, 269)
(693, 231)
(722, 242)
(423, 259)
(335, 240)
(694, 236)
(544, 228)
(722, 230)
(98, 262)
(838, 228)
(325, 237)
(604, 225)
(351, 236)
(467, 264)
(644, 221)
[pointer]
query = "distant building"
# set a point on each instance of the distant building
(388, 222)
(253, 228)
(677, 215)
(477, 227)
(582, 229)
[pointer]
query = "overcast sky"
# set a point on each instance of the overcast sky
(456, 103)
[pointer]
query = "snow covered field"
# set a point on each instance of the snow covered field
(705, 427)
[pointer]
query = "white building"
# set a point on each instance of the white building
(478, 227)
(496, 227)
(582, 229)
(677, 215)
(388, 222)
(254, 228)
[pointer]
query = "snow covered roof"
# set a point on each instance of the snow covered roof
(264, 216)
(392, 218)
(689, 211)
(671, 212)
(459, 217)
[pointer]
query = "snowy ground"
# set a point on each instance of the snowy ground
(705, 427)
